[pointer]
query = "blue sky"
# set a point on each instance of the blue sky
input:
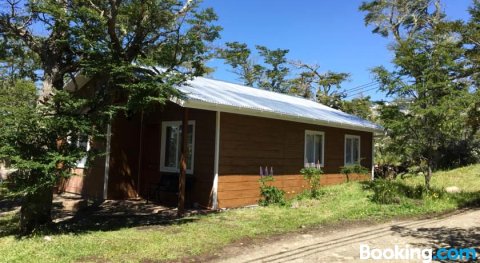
(327, 32)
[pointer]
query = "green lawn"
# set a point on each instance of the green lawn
(203, 234)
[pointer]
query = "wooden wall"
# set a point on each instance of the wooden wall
(87, 181)
(203, 153)
(124, 152)
(247, 142)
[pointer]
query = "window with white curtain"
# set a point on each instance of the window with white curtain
(314, 145)
(352, 149)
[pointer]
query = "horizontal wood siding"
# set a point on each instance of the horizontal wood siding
(87, 181)
(243, 190)
(124, 151)
(247, 142)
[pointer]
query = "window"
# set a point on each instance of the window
(171, 149)
(84, 144)
(352, 149)
(314, 144)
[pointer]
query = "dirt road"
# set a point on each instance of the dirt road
(460, 229)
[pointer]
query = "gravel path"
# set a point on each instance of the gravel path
(460, 229)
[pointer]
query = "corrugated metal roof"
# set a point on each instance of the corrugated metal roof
(224, 96)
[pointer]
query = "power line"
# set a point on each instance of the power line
(365, 88)
(361, 87)
(363, 91)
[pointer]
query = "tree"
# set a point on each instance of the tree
(238, 56)
(135, 53)
(400, 18)
(275, 76)
(361, 107)
(470, 33)
(430, 91)
(326, 86)
(31, 139)
(271, 75)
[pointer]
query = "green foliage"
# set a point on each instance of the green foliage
(432, 121)
(348, 202)
(271, 195)
(312, 174)
(361, 107)
(238, 56)
(395, 191)
(273, 74)
(39, 140)
(324, 87)
(402, 19)
(269, 75)
(354, 169)
(135, 54)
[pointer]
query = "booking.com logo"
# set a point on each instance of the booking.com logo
(413, 253)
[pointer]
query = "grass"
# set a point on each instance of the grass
(206, 233)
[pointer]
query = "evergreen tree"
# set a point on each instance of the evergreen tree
(432, 95)
(135, 53)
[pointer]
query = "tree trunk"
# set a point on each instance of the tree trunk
(51, 80)
(36, 210)
(47, 87)
(428, 176)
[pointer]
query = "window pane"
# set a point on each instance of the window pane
(310, 153)
(171, 144)
(348, 151)
(318, 149)
(356, 149)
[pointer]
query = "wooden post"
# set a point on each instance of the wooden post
(183, 164)
(140, 152)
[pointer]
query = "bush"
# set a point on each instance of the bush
(271, 195)
(312, 174)
(384, 192)
(393, 192)
(353, 169)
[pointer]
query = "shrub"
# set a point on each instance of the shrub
(391, 191)
(353, 169)
(384, 192)
(312, 174)
(271, 195)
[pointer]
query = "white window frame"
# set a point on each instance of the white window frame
(164, 168)
(349, 136)
(310, 132)
(82, 162)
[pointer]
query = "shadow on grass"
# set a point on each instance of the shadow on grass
(9, 204)
(114, 215)
(442, 237)
(104, 216)
(9, 224)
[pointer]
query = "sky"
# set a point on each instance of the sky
(325, 32)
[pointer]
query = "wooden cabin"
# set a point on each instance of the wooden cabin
(234, 132)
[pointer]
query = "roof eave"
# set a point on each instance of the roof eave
(202, 105)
